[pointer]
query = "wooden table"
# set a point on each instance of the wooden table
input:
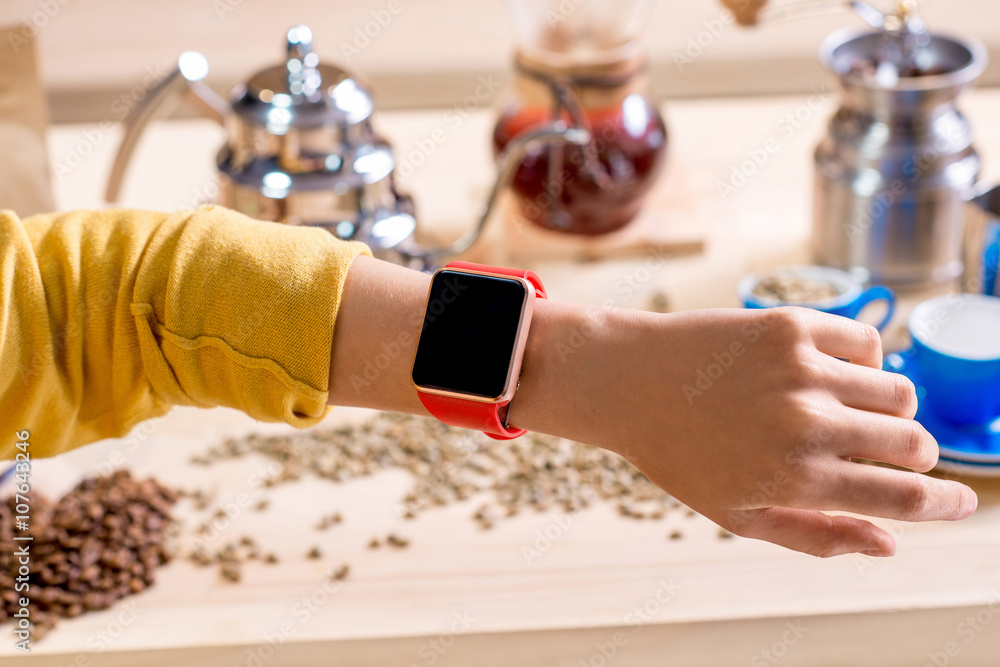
(460, 596)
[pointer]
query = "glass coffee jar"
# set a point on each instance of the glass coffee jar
(581, 63)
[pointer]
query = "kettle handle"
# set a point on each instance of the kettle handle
(185, 82)
(508, 162)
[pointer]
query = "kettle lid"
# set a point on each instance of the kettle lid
(302, 92)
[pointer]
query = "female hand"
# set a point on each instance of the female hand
(750, 417)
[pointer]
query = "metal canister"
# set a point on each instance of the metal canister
(982, 241)
(895, 168)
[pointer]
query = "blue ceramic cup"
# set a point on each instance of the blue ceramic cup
(851, 297)
(955, 357)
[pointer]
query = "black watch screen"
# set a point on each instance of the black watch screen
(469, 333)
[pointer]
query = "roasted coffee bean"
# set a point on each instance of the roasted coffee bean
(100, 542)
(93, 600)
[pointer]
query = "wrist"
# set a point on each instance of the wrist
(562, 366)
(564, 374)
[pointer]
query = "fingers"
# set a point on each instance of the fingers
(878, 437)
(844, 338)
(866, 490)
(813, 532)
(895, 494)
(873, 390)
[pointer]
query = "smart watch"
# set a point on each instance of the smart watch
(469, 354)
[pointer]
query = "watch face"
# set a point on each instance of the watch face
(470, 333)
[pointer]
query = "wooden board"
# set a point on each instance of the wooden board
(672, 222)
(586, 582)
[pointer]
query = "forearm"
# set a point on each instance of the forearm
(111, 317)
(375, 336)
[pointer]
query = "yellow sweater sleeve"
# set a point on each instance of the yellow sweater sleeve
(108, 318)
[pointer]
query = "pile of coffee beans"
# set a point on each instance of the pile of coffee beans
(100, 542)
(536, 472)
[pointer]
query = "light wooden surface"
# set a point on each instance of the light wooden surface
(734, 597)
(557, 609)
(431, 53)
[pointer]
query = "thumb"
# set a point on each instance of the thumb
(813, 532)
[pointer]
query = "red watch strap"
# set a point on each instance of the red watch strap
(464, 413)
(478, 416)
(530, 276)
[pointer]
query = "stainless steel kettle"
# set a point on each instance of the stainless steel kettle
(301, 150)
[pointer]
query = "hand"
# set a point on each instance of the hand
(748, 417)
